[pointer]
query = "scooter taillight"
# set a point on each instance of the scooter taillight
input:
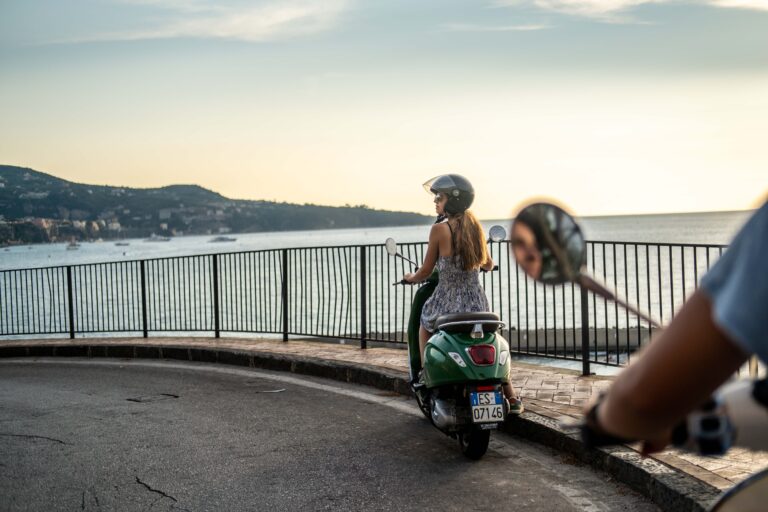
(482, 355)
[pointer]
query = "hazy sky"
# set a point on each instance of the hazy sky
(614, 106)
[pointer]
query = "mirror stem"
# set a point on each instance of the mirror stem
(598, 289)
(406, 259)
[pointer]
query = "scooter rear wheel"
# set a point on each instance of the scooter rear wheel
(474, 443)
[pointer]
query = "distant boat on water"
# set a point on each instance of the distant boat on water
(157, 238)
(122, 244)
(222, 239)
(72, 245)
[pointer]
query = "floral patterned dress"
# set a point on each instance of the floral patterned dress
(458, 291)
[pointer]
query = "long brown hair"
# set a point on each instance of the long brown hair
(468, 240)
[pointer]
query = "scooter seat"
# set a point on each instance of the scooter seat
(465, 322)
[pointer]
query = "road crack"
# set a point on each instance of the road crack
(161, 493)
(28, 436)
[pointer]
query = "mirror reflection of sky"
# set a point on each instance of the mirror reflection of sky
(621, 106)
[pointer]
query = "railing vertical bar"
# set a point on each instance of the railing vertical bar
(98, 271)
(695, 269)
(347, 292)
(363, 295)
(585, 369)
(536, 314)
(143, 300)
(565, 322)
(614, 248)
(8, 306)
(193, 294)
(70, 296)
(661, 295)
(264, 314)
(671, 282)
(605, 302)
(626, 294)
(335, 279)
(277, 283)
(37, 300)
(111, 291)
(338, 303)
(544, 294)
(162, 307)
(682, 266)
(224, 288)
(284, 273)
(517, 298)
(93, 315)
(573, 317)
(326, 290)
(215, 276)
(102, 293)
(237, 321)
(594, 301)
(301, 310)
(306, 290)
(648, 285)
(637, 297)
(527, 322)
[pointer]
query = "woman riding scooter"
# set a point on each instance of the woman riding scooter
(457, 247)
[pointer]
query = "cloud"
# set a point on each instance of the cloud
(616, 10)
(211, 20)
(761, 5)
(467, 27)
(606, 10)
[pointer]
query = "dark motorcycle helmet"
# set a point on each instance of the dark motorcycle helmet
(457, 188)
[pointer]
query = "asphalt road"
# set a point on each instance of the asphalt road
(127, 435)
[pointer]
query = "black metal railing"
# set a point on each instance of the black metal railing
(346, 292)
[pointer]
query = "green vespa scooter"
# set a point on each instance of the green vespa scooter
(466, 363)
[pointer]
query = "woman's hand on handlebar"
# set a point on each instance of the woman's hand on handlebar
(593, 435)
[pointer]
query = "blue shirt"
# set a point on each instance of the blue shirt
(737, 285)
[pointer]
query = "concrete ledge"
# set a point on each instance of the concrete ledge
(670, 489)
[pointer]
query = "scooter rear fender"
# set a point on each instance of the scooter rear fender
(444, 350)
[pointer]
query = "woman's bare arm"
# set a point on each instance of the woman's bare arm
(430, 258)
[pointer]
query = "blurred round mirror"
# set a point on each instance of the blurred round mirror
(391, 246)
(548, 244)
(497, 234)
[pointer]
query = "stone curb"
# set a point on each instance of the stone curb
(670, 489)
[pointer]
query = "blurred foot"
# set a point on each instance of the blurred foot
(515, 406)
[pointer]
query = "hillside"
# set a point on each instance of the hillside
(38, 207)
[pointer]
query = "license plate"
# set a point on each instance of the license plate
(486, 406)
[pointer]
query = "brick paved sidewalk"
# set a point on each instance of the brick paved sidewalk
(552, 392)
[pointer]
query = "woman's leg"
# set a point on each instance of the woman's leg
(514, 402)
(424, 336)
(506, 388)
(509, 391)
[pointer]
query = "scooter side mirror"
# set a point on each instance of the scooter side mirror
(548, 244)
(497, 234)
(391, 246)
